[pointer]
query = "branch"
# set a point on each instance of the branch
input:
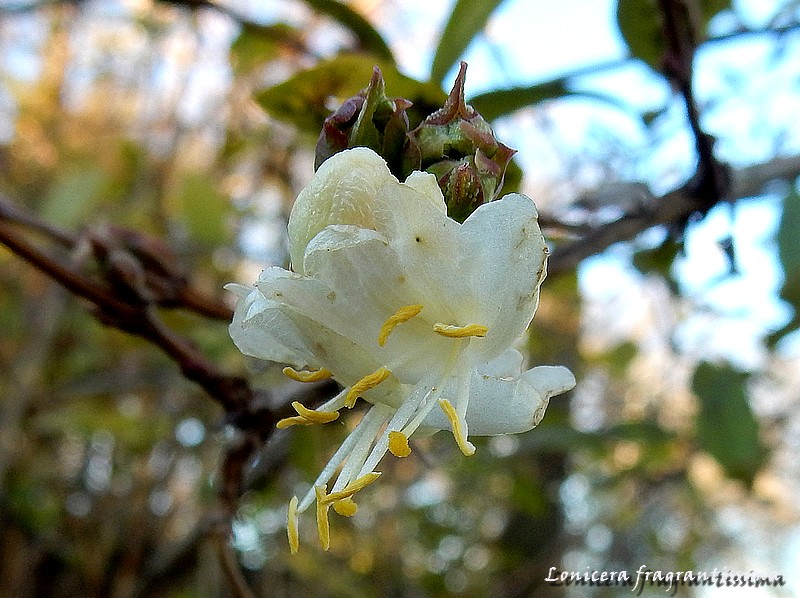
(138, 273)
(126, 299)
(675, 207)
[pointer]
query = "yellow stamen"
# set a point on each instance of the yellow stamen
(292, 527)
(315, 417)
(398, 444)
(295, 420)
(346, 507)
(353, 487)
(458, 432)
(323, 525)
(369, 381)
(306, 417)
(307, 376)
(404, 314)
(460, 331)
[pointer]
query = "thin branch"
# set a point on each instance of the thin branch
(679, 25)
(671, 209)
(230, 567)
(11, 213)
(74, 282)
(123, 302)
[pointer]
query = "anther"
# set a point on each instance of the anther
(323, 525)
(292, 527)
(458, 431)
(307, 376)
(398, 444)
(306, 417)
(351, 488)
(315, 417)
(367, 382)
(295, 420)
(460, 331)
(404, 314)
(346, 507)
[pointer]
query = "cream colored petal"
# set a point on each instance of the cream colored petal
(486, 271)
(342, 191)
(509, 405)
(425, 184)
(275, 331)
(507, 258)
(370, 284)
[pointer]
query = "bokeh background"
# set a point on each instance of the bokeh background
(195, 122)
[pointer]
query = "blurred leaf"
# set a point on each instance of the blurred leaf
(92, 414)
(204, 209)
(726, 427)
(304, 99)
(32, 502)
(619, 357)
(639, 23)
(512, 180)
(494, 104)
(74, 195)
(528, 497)
(553, 336)
(711, 8)
(646, 431)
(257, 44)
(649, 116)
(789, 253)
(466, 21)
(657, 260)
(368, 37)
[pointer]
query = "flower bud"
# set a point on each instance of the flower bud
(368, 119)
(457, 145)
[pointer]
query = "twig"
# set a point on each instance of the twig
(711, 180)
(670, 209)
(11, 213)
(138, 273)
(230, 567)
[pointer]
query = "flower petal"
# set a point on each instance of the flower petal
(503, 405)
(370, 285)
(344, 190)
(274, 331)
(486, 271)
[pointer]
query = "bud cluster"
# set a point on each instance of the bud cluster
(454, 143)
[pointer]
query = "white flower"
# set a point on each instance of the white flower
(408, 310)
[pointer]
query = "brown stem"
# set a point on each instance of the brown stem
(679, 25)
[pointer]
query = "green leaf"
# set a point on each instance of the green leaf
(304, 99)
(620, 357)
(74, 195)
(494, 104)
(258, 44)
(512, 180)
(497, 103)
(466, 21)
(657, 260)
(639, 23)
(368, 37)
(789, 254)
(726, 427)
(203, 208)
(711, 8)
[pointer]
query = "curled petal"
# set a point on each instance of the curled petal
(506, 404)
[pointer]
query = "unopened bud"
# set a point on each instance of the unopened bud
(369, 119)
(458, 146)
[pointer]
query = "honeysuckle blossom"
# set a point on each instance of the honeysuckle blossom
(408, 310)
